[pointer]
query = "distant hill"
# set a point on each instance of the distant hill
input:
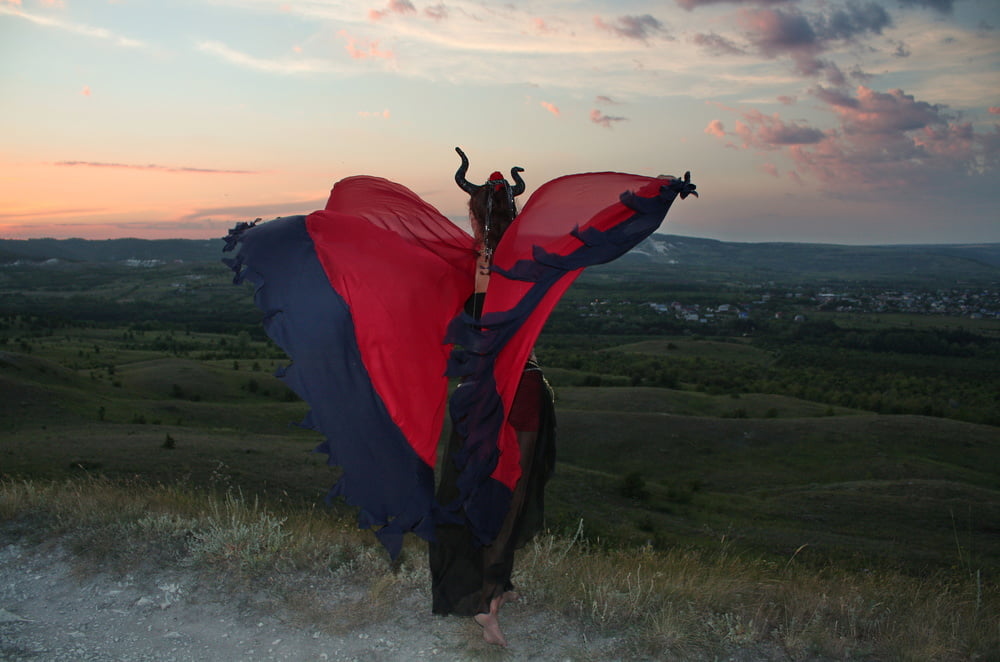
(668, 256)
(110, 250)
(943, 264)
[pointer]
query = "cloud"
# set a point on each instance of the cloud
(469, 46)
(942, 6)
(872, 112)
(153, 166)
(855, 20)
(74, 28)
(769, 168)
(541, 25)
(85, 91)
(249, 211)
(715, 128)
(394, 7)
(296, 65)
(602, 98)
(770, 132)
(639, 28)
(366, 50)
(690, 5)
(994, 110)
(552, 108)
(857, 74)
(890, 142)
(717, 44)
(436, 12)
(385, 114)
(902, 50)
(50, 212)
(597, 117)
(779, 32)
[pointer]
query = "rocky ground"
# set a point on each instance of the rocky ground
(52, 608)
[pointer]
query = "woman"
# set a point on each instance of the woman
(365, 296)
(469, 578)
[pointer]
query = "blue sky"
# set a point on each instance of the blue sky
(852, 121)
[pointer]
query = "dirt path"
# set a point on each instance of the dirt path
(50, 610)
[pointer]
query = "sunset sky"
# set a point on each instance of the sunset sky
(844, 121)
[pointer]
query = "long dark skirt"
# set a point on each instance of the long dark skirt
(465, 577)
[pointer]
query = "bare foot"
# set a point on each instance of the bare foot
(490, 622)
(491, 629)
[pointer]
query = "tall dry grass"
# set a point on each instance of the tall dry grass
(679, 604)
(693, 603)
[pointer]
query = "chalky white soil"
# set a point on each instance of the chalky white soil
(52, 608)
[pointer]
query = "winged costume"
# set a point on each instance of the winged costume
(366, 297)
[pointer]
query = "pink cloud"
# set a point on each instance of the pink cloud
(436, 12)
(715, 128)
(365, 51)
(16, 3)
(552, 108)
(540, 25)
(385, 114)
(769, 168)
(85, 91)
(880, 112)
(597, 117)
(394, 7)
(890, 140)
(995, 110)
(155, 167)
(787, 100)
(605, 99)
(953, 141)
(769, 132)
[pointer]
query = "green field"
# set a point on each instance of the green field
(861, 437)
(669, 467)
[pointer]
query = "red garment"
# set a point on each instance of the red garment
(371, 343)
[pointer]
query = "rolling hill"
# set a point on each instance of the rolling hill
(670, 256)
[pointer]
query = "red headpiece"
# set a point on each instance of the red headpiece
(498, 179)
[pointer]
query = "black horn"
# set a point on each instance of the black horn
(460, 179)
(515, 174)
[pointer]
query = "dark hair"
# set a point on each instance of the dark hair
(489, 207)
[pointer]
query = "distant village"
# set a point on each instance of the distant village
(796, 306)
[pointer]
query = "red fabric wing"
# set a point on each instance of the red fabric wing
(405, 271)
(552, 213)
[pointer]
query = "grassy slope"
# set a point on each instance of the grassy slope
(901, 489)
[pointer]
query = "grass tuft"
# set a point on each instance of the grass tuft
(239, 536)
